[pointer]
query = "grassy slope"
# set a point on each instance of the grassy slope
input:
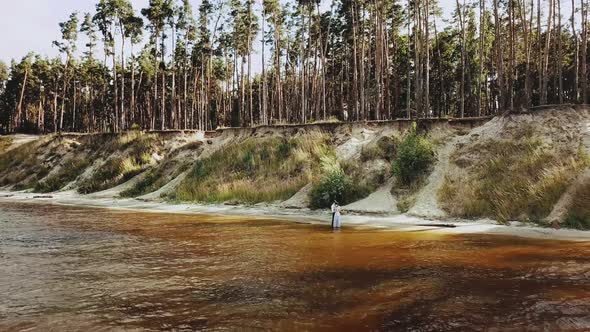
(23, 166)
(127, 156)
(352, 180)
(509, 179)
(159, 175)
(52, 162)
(256, 170)
(69, 171)
(383, 151)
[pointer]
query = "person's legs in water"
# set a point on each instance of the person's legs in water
(337, 222)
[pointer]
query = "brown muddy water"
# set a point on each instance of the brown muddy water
(79, 269)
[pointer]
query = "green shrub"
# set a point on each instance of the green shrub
(336, 185)
(333, 186)
(414, 158)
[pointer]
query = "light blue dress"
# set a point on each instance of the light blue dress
(337, 218)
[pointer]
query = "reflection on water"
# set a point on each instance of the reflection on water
(93, 270)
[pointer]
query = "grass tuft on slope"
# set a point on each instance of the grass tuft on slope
(69, 171)
(132, 155)
(519, 179)
(5, 143)
(256, 170)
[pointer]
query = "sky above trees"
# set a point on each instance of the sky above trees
(31, 25)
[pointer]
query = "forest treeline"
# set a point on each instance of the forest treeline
(167, 67)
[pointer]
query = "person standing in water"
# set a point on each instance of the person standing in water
(333, 207)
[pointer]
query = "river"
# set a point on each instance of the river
(80, 269)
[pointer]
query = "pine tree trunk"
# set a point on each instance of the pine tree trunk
(540, 55)
(512, 62)
(302, 60)
(55, 93)
(560, 53)
(499, 58)
(123, 114)
(155, 84)
(279, 85)
(409, 73)
(163, 99)
(174, 122)
(576, 54)
(546, 54)
(185, 99)
(418, 58)
(584, 64)
(242, 94)
(462, 88)
(427, 41)
(19, 107)
(115, 87)
(250, 92)
(63, 94)
(132, 111)
(481, 80)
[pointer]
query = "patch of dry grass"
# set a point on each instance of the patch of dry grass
(113, 172)
(27, 166)
(156, 177)
(518, 179)
(5, 143)
(256, 170)
(366, 176)
(408, 195)
(131, 155)
(385, 148)
(69, 171)
(23, 166)
(17, 156)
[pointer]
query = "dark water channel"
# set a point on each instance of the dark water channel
(78, 269)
